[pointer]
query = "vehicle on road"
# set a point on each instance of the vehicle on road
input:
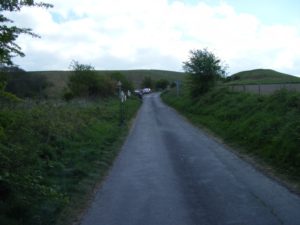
(147, 90)
(139, 93)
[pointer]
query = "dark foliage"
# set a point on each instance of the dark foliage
(148, 82)
(19, 83)
(85, 82)
(161, 84)
(203, 68)
(126, 84)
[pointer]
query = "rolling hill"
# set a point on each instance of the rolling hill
(261, 76)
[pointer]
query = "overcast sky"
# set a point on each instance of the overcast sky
(158, 34)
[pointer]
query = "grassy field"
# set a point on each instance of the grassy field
(59, 78)
(261, 76)
(53, 153)
(264, 127)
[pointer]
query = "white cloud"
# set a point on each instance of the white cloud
(117, 34)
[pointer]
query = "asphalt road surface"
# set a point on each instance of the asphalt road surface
(171, 173)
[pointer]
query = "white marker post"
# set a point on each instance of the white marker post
(122, 98)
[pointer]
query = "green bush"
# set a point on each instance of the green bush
(6, 97)
(84, 82)
(161, 84)
(147, 82)
(126, 84)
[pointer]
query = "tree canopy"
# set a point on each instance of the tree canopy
(9, 33)
(203, 68)
(161, 84)
(147, 82)
(126, 83)
(85, 82)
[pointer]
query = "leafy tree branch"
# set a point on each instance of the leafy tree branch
(9, 33)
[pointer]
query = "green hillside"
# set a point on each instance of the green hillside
(138, 75)
(261, 76)
(59, 78)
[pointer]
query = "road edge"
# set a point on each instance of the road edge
(253, 161)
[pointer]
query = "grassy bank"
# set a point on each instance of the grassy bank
(52, 154)
(267, 127)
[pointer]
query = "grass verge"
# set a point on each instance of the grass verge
(264, 127)
(53, 154)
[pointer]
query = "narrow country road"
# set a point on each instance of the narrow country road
(171, 173)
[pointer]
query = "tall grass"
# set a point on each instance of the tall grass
(264, 126)
(52, 154)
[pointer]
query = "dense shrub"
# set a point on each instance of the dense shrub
(147, 82)
(24, 85)
(6, 97)
(48, 149)
(161, 84)
(126, 84)
(84, 82)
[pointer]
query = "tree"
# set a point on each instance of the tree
(9, 34)
(126, 84)
(161, 84)
(203, 69)
(85, 82)
(147, 82)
